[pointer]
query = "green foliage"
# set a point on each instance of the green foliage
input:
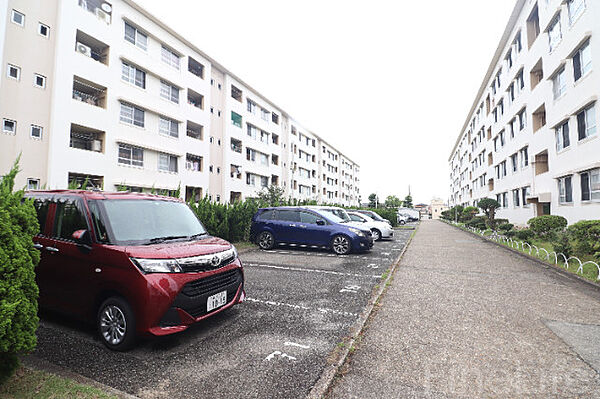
(393, 202)
(468, 213)
(546, 225)
(561, 244)
(454, 213)
(586, 234)
(373, 201)
(18, 258)
(390, 214)
(477, 222)
(408, 201)
(489, 206)
(525, 235)
(505, 227)
(272, 195)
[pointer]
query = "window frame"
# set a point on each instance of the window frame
(168, 132)
(135, 39)
(12, 18)
(169, 159)
(586, 112)
(132, 120)
(9, 66)
(554, 42)
(37, 185)
(41, 130)
(581, 70)
(559, 83)
(129, 74)
(35, 83)
(40, 26)
(130, 161)
(169, 92)
(169, 56)
(565, 196)
(579, 11)
(590, 185)
(14, 122)
(561, 133)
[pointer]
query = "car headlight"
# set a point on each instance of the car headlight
(356, 231)
(235, 252)
(157, 265)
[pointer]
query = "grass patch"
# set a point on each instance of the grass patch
(244, 245)
(27, 383)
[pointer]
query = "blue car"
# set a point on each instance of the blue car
(303, 227)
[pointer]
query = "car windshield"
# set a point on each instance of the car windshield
(336, 215)
(140, 222)
(376, 217)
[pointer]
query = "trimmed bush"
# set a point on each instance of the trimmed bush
(525, 235)
(505, 227)
(387, 213)
(587, 237)
(561, 244)
(477, 222)
(468, 213)
(18, 290)
(546, 225)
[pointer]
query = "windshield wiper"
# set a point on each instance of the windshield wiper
(194, 236)
(158, 240)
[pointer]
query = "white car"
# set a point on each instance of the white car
(378, 229)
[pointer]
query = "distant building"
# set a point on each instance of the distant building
(437, 207)
(423, 210)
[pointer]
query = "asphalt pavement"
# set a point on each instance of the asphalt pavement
(465, 318)
(301, 304)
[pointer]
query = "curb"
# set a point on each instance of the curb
(36, 363)
(546, 265)
(325, 381)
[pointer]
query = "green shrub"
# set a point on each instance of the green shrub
(560, 243)
(505, 227)
(387, 213)
(477, 222)
(468, 213)
(586, 234)
(546, 225)
(18, 290)
(511, 233)
(525, 235)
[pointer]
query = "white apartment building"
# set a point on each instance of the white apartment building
(530, 139)
(105, 92)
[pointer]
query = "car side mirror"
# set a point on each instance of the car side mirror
(83, 240)
(321, 222)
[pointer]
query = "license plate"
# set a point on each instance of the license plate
(216, 301)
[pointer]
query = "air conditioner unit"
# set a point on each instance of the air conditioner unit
(103, 16)
(83, 49)
(97, 145)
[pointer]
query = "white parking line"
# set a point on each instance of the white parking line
(321, 255)
(296, 345)
(299, 269)
(300, 307)
(278, 353)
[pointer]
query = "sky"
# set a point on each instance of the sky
(389, 83)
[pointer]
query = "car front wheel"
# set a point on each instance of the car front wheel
(341, 245)
(376, 234)
(266, 240)
(116, 324)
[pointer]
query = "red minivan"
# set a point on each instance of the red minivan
(137, 264)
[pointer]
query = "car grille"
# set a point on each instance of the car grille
(203, 266)
(213, 283)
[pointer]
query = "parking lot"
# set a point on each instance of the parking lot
(301, 304)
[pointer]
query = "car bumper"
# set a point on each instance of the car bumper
(177, 301)
(362, 244)
(387, 233)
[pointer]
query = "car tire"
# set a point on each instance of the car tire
(341, 245)
(266, 240)
(376, 234)
(116, 324)
(402, 222)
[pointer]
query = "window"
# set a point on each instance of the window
(132, 115)
(514, 162)
(43, 30)
(169, 92)
(275, 118)
(168, 127)
(9, 126)
(33, 184)
(134, 36)
(559, 84)
(517, 198)
(590, 185)
(524, 153)
(129, 155)
(251, 106)
(69, 218)
(236, 119)
(562, 136)
(517, 43)
(525, 193)
(18, 18)
(565, 190)
(576, 8)
(167, 162)
(554, 33)
(264, 114)
(523, 119)
(582, 61)
(236, 93)
(39, 81)
(170, 57)
(520, 81)
(133, 75)
(13, 72)
(586, 122)
(36, 132)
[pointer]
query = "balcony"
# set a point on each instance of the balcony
(88, 92)
(88, 139)
(236, 146)
(193, 194)
(195, 67)
(195, 99)
(193, 163)
(236, 172)
(85, 182)
(101, 9)
(195, 130)
(91, 47)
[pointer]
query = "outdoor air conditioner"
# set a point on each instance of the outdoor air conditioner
(83, 49)
(97, 145)
(103, 16)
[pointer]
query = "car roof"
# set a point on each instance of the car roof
(102, 195)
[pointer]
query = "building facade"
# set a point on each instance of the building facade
(114, 97)
(530, 140)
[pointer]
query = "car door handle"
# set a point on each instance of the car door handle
(37, 245)
(52, 249)
(292, 225)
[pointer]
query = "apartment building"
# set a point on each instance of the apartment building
(114, 97)
(530, 140)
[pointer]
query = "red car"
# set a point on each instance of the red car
(137, 264)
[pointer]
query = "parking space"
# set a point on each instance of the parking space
(301, 303)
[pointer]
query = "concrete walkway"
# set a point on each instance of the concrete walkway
(466, 318)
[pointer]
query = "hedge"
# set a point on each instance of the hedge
(18, 290)
(545, 225)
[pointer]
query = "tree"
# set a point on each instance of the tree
(468, 213)
(408, 201)
(272, 195)
(18, 290)
(373, 200)
(393, 202)
(489, 206)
